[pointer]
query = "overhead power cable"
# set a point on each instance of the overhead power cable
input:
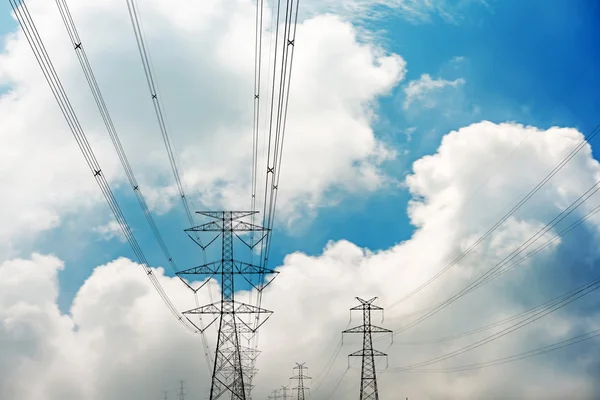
(162, 122)
(511, 266)
(516, 357)
(496, 269)
(501, 322)
(114, 136)
(32, 35)
(587, 289)
(327, 368)
(277, 125)
(338, 383)
(506, 216)
(320, 377)
(158, 109)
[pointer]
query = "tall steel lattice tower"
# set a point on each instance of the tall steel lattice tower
(230, 370)
(368, 379)
(300, 389)
(284, 393)
(181, 392)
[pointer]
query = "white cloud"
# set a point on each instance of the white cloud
(415, 11)
(203, 57)
(127, 345)
(110, 231)
(426, 90)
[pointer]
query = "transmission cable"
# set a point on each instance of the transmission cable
(516, 357)
(515, 208)
(30, 31)
(160, 114)
(102, 108)
(161, 119)
(501, 322)
(489, 274)
(279, 114)
(587, 289)
(500, 272)
(338, 383)
(327, 368)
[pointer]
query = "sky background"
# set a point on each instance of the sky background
(526, 62)
(539, 50)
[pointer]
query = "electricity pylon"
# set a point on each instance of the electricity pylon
(229, 376)
(284, 393)
(368, 379)
(274, 395)
(181, 392)
(300, 389)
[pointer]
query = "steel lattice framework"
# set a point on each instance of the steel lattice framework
(368, 379)
(232, 370)
(300, 389)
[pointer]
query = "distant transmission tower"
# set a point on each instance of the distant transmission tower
(229, 373)
(368, 379)
(181, 392)
(274, 395)
(284, 393)
(300, 389)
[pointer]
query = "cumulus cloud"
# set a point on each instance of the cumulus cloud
(203, 58)
(120, 342)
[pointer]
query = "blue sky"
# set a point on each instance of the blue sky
(522, 61)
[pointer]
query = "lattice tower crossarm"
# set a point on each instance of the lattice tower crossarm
(229, 372)
(368, 379)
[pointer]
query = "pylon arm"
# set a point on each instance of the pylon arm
(203, 246)
(366, 329)
(245, 269)
(247, 352)
(207, 309)
(238, 308)
(197, 327)
(251, 245)
(368, 353)
(234, 214)
(211, 268)
(212, 226)
(242, 226)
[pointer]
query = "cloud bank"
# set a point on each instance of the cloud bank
(119, 341)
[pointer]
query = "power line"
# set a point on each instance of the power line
(158, 108)
(500, 272)
(587, 289)
(501, 322)
(47, 67)
(325, 372)
(515, 208)
(279, 114)
(338, 383)
(516, 357)
(161, 116)
(77, 43)
(489, 274)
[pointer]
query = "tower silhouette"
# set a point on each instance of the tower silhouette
(300, 389)
(230, 373)
(368, 379)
